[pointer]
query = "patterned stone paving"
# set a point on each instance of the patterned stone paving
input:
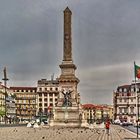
(45, 133)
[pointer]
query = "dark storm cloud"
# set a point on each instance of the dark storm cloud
(105, 39)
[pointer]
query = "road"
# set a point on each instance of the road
(132, 128)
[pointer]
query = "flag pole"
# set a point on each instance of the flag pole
(137, 108)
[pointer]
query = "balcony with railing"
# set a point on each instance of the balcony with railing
(25, 98)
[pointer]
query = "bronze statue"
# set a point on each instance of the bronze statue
(67, 97)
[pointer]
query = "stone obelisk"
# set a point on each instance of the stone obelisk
(67, 53)
(68, 110)
(67, 78)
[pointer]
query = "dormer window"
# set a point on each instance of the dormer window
(132, 89)
(125, 90)
(120, 90)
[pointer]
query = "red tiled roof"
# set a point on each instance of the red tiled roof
(88, 106)
(92, 106)
(99, 107)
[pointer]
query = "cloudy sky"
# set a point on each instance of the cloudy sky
(105, 41)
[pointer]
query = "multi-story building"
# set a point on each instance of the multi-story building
(10, 104)
(97, 113)
(48, 91)
(26, 102)
(10, 107)
(111, 112)
(125, 106)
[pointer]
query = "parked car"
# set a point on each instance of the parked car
(117, 122)
(26, 121)
(126, 123)
(45, 121)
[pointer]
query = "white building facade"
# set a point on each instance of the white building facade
(48, 92)
(126, 108)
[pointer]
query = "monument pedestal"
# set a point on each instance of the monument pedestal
(66, 116)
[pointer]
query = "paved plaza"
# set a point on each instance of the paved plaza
(52, 133)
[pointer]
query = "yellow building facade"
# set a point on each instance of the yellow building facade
(97, 113)
(26, 102)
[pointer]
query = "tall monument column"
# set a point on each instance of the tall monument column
(67, 112)
(67, 79)
(67, 55)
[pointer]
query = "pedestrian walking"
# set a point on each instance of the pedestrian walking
(107, 126)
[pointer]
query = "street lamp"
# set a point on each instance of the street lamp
(5, 79)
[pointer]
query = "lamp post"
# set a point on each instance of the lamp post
(5, 79)
(138, 115)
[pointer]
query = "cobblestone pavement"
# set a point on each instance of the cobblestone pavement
(24, 133)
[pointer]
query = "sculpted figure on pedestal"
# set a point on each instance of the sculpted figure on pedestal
(67, 97)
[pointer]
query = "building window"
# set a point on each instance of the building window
(131, 99)
(51, 99)
(51, 95)
(45, 94)
(40, 89)
(45, 110)
(120, 110)
(24, 101)
(50, 89)
(124, 100)
(45, 89)
(128, 94)
(132, 89)
(120, 90)
(40, 100)
(132, 110)
(56, 89)
(120, 100)
(125, 90)
(40, 94)
(125, 110)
